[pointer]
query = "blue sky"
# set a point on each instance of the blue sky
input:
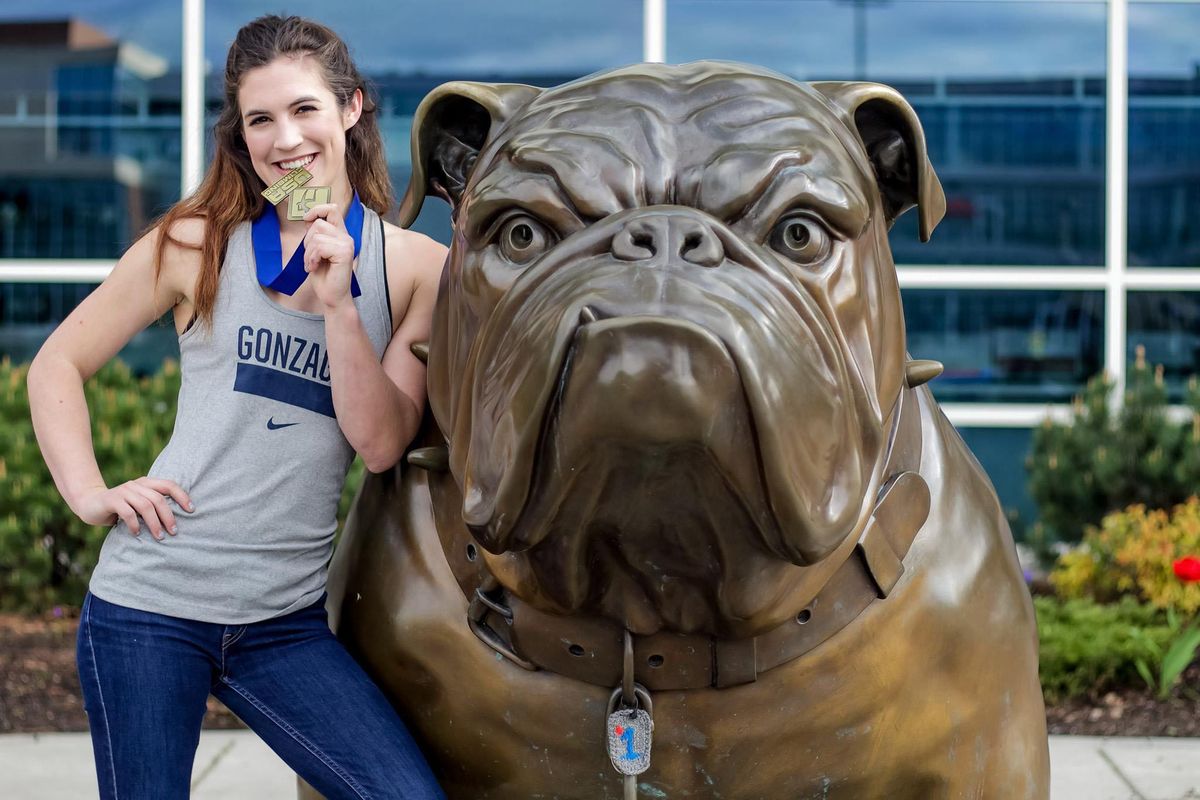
(810, 38)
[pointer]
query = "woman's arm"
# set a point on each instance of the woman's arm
(126, 302)
(379, 404)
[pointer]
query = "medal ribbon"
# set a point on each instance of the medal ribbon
(268, 251)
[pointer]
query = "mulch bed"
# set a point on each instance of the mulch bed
(39, 691)
(1132, 712)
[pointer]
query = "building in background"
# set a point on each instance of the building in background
(1014, 294)
(88, 155)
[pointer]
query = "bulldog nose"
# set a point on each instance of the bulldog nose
(657, 239)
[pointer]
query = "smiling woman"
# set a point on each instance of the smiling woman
(287, 371)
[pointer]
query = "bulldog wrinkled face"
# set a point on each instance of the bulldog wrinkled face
(678, 341)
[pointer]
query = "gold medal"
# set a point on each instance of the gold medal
(286, 185)
(301, 200)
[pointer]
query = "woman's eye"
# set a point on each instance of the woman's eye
(307, 108)
(523, 239)
(800, 239)
(257, 120)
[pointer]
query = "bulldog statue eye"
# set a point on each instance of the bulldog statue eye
(800, 239)
(523, 238)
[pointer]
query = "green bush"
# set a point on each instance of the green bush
(1087, 648)
(1133, 552)
(46, 552)
(1103, 461)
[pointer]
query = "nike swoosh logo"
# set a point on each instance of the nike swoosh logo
(273, 426)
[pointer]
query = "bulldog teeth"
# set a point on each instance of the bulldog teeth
(587, 315)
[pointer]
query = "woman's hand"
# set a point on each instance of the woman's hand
(142, 497)
(328, 254)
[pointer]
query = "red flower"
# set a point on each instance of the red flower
(1187, 569)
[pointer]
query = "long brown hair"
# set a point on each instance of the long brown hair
(229, 193)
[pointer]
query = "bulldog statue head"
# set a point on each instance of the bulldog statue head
(669, 342)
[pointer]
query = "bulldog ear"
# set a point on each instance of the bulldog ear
(450, 127)
(895, 144)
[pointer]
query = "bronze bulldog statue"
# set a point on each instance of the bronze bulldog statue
(680, 461)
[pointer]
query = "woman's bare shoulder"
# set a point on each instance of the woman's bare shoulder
(414, 269)
(419, 252)
(164, 262)
(183, 247)
(185, 232)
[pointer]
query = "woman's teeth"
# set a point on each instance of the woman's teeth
(299, 162)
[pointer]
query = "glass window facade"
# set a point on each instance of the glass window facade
(1167, 324)
(90, 142)
(89, 128)
(1164, 135)
(1007, 346)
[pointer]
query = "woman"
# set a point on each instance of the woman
(212, 579)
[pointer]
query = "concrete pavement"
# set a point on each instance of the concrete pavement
(236, 765)
(230, 765)
(1100, 768)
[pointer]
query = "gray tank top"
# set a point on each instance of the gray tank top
(257, 447)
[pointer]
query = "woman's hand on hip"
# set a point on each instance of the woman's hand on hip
(328, 254)
(144, 498)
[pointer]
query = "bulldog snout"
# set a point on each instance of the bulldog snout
(661, 238)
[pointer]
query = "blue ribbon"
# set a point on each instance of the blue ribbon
(268, 251)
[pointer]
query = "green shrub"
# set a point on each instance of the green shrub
(1088, 648)
(1103, 461)
(1133, 552)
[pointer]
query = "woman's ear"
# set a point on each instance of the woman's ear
(353, 110)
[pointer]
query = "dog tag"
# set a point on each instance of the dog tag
(301, 200)
(629, 734)
(285, 185)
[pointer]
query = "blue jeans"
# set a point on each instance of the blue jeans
(146, 679)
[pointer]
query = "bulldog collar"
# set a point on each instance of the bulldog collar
(593, 650)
